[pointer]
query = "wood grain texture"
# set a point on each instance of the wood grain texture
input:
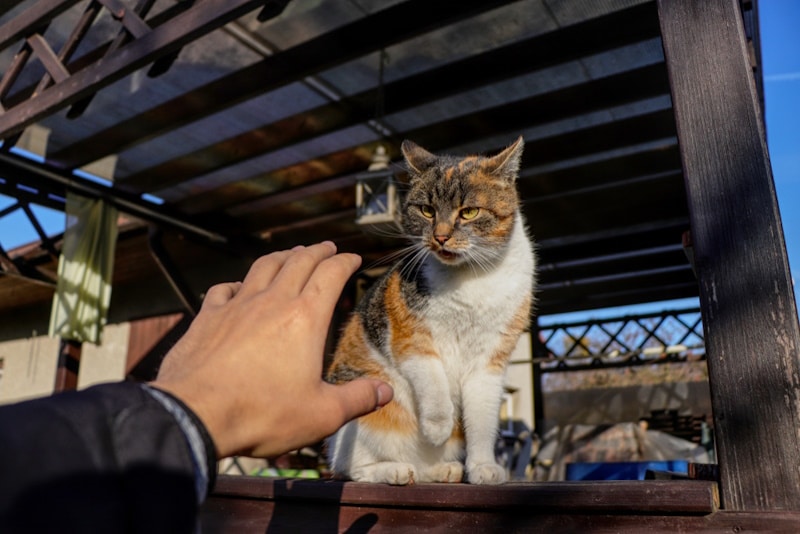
(749, 311)
(697, 497)
(245, 504)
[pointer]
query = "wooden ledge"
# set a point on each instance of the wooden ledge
(243, 505)
(651, 496)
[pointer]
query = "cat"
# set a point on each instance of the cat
(440, 326)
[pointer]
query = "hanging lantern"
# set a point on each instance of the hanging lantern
(377, 200)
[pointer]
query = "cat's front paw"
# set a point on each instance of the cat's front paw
(489, 473)
(450, 472)
(438, 426)
(395, 473)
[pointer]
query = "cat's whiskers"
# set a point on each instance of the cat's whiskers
(482, 257)
(414, 260)
(389, 258)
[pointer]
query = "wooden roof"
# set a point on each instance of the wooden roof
(254, 133)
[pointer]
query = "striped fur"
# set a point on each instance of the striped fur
(440, 327)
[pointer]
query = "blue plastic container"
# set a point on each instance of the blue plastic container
(622, 470)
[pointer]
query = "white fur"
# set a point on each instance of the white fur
(467, 313)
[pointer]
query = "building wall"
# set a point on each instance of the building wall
(520, 377)
(598, 406)
(106, 362)
(29, 364)
(29, 368)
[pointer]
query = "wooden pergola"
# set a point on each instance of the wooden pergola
(683, 149)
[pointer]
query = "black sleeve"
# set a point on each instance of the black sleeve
(109, 458)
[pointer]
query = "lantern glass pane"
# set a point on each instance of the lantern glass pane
(375, 195)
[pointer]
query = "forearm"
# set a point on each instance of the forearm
(110, 456)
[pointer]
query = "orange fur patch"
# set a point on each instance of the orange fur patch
(458, 431)
(353, 352)
(466, 161)
(409, 337)
(519, 322)
(390, 418)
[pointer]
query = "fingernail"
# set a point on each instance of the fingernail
(385, 393)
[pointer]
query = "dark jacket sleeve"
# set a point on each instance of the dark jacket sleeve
(109, 458)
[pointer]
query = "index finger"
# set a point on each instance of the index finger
(300, 266)
(327, 282)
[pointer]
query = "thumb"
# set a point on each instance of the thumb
(362, 396)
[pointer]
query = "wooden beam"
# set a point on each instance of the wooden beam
(249, 504)
(581, 98)
(8, 5)
(202, 18)
(36, 182)
(32, 19)
(559, 46)
(749, 312)
(242, 197)
(532, 498)
(365, 35)
(68, 366)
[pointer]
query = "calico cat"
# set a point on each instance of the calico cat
(440, 326)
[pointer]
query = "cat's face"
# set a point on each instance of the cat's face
(461, 209)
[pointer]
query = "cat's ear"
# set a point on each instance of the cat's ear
(417, 158)
(506, 163)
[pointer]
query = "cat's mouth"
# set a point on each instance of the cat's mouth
(446, 255)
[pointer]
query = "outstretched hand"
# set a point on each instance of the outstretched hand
(250, 365)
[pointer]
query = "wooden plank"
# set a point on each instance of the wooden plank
(747, 299)
(32, 19)
(697, 497)
(48, 181)
(363, 36)
(8, 5)
(246, 516)
(245, 504)
(184, 28)
(129, 18)
(555, 47)
(49, 59)
(604, 265)
(586, 97)
(338, 170)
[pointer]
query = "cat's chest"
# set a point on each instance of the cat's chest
(470, 317)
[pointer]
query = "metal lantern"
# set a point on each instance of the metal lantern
(377, 200)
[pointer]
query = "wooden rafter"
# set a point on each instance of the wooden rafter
(473, 71)
(368, 34)
(185, 27)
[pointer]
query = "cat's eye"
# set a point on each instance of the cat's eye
(427, 211)
(469, 213)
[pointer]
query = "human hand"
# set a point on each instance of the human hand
(250, 365)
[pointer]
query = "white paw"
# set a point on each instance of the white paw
(395, 473)
(400, 474)
(450, 472)
(437, 427)
(486, 474)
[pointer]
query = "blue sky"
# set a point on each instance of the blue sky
(780, 49)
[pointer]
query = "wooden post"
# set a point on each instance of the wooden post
(746, 294)
(69, 361)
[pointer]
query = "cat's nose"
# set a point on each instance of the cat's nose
(441, 239)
